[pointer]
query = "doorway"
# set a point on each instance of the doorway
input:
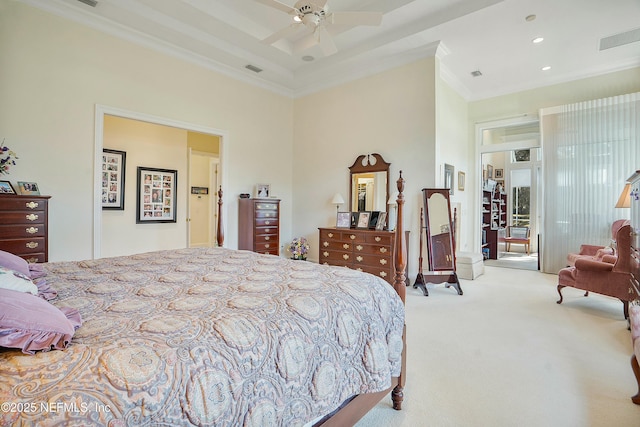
(510, 207)
(133, 237)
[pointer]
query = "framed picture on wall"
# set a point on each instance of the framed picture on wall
(448, 177)
(461, 181)
(489, 171)
(156, 195)
(499, 173)
(113, 171)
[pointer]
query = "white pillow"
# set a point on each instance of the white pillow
(15, 281)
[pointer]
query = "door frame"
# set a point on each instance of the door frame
(100, 112)
(213, 165)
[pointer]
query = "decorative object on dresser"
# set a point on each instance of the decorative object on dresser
(337, 200)
(439, 229)
(6, 188)
(259, 225)
(113, 173)
(24, 226)
(28, 188)
(262, 191)
(156, 195)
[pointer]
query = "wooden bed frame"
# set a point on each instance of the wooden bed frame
(356, 407)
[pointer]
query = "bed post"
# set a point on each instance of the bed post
(219, 230)
(399, 284)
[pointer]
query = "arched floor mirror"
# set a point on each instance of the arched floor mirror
(439, 233)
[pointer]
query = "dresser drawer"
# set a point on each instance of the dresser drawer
(267, 230)
(266, 214)
(23, 217)
(266, 246)
(23, 246)
(268, 206)
(380, 239)
(26, 230)
(266, 222)
(385, 273)
(336, 245)
(266, 238)
(341, 258)
(26, 203)
(372, 260)
(373, 249)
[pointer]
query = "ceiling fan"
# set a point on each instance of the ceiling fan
(315, 16)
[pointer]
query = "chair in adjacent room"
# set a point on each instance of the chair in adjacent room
(517, 235)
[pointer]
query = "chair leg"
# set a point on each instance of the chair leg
(636, 371)
(560, 293)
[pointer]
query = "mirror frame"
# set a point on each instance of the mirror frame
(434, 265)
(363, 165)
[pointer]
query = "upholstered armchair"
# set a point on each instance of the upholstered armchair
(608, 276)
(596, 251)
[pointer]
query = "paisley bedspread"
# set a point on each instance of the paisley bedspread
(206, 336)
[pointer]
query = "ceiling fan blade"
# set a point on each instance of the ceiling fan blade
(326, 41)
(305, 43)
(283, 33)
(356, 18)
(277, 5)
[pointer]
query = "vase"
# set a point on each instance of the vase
(299, 257)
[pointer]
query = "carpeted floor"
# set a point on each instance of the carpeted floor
(505, 354)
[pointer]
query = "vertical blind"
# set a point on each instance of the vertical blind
(590, 149)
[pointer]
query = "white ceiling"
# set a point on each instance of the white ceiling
(491, 36)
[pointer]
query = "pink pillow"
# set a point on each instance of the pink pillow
(14, 262)
(31, 323)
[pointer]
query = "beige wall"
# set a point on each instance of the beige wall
(54, 72)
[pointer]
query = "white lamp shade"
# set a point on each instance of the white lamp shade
(393, 199)
(337, 199)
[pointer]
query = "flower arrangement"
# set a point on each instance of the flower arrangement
(7, 158)
(299, 248)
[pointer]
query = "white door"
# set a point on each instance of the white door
(202, 207)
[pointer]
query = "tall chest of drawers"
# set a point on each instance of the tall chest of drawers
(370, 251)
(24, 228)
(635, 236)
(259, 225)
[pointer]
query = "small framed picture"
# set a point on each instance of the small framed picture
(199, 190)
(343, 220)
(262, 191)
(382, 219)
(373, 219)
(156, 195)
(448, 177)
(489, 172)
(461, 181)
(499, 173)
(30, 188)
(354, 219)
(6, 188)
(113, 171)
(363, 220)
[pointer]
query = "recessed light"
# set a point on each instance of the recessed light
(546, 68)
(476, 73)
(538, 40)
(530, 18)
(308, 58)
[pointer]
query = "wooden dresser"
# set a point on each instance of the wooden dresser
(364, 250)
(24, 226)
(259, 225)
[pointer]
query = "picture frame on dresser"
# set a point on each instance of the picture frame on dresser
(363, 220)
(373, 219)
(113, 175)
(262, 191)
(343, 220)
(28, 188)
(156, 195)
(6, 188)
(382, 220)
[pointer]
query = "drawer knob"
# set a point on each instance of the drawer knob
(345, 256)
(346, 246)
(32, 205)
(383, 261)
(352, 237)
(378, 238)
(31, 245)
(325, 253)
(383, 274)
(330, 234)
(383, 250)
(31, 230)
(267, 230)
(359, 258)
(267, 238)
(325, 244)
(268, 222)
(266, 246)
(31, 217)
(359, 247)
(32, 260)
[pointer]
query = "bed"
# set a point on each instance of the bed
(212, 336)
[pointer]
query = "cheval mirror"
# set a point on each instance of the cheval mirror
(369, 184)
(441, 247)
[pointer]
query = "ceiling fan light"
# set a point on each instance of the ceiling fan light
(297, 18)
